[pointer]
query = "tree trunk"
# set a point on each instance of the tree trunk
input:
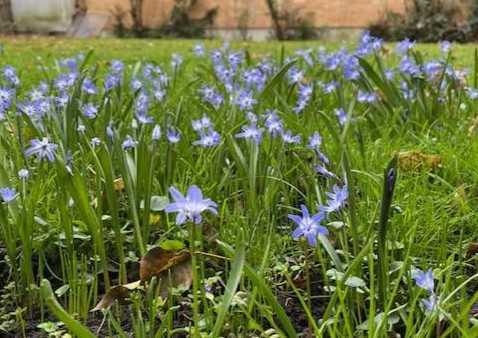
(6, 17)
(137, 15)
(275, 17)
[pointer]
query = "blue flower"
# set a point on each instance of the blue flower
(191, 206)
(305, 93)
(336, 199)
(117, 67)
(144, 118)
(289, 138)
(430, 303)
(89, 87)
(330, 87)
(211, 96)
(208, 139)
(235, 59)
(111, 81)
(10, 74)
(368, 44)
(89, 111)
(403, 46)
(199, 50)
(424, 279)
(472, 93)
(251, 132)
(341, 116)
(176, 60)
(315, 140)
(322, 170)
(6, 96)
(245, 100)
(445, 46)
(351, 68)
(95, 141)
(156, 134)
(273, 123)
(42, 149)
(408, 66)
(128, 143)
(201, 124)
(8, 194)
(308, 226)
(173, 135)
(366, 97)
(295, 75)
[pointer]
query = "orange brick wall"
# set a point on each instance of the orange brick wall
(323, 13)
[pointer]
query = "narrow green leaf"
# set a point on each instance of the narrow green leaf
(266, 292)
(231, 287)
(73, 325)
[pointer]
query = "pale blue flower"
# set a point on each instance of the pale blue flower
(430, 303)
(129, 143)
(173, 135)
(336, 199)
(191, 206)
(308, 226)
(424, 279)
(8, 194)
(42, 149)
(156, 134)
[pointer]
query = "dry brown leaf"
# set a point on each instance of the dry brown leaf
(472, 249)
(158, 260)
(119, 292)
(415, 160)
(180, 275)
(118, 184)
(473, 127)
(154, 219)
(172, 268)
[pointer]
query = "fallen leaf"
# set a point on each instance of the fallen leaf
(472, 249)
(179, 276)
(118, 184)
(158, 260)
(172, 268)
(415, 160)
(119, 292)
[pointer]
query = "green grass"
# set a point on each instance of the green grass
(71, 227)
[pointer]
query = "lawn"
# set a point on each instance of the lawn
(153, 188)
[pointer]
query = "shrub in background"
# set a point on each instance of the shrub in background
(427, 21)
(180, 24)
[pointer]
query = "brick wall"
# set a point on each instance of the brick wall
(322, 13)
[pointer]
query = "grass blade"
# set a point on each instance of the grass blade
(231, 287)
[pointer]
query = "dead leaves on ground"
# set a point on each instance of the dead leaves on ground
(172, 268)
(118, 292)
(414, 160)
(158, 260)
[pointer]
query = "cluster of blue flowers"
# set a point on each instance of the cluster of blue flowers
(310, 226)
(237, 87)
(426, 281)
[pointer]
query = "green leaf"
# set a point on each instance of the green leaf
(158, 203)
(171, 244)
(62, 290)
(231, 287)
(355, 282)
(276, 79)
(331, 252)
(266, 293)
(73, 325)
